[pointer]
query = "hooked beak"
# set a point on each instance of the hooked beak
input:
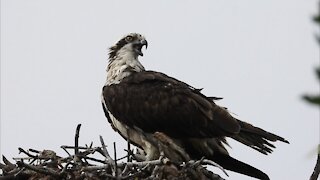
(144, 43)
(138, 46)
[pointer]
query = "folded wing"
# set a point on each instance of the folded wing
(153, 102)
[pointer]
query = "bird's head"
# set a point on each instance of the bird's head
(130, 44)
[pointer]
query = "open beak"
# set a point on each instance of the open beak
(138, 46)
(144, 43)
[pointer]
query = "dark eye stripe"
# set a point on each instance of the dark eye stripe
(120, 44)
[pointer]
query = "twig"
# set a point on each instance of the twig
(28, 154)
(207, 161)
(92, 159)
(66, 151)
(142, 164)
(34, 151)
(39, 169)
(105, 153)
(22, 158)
(129, 151)
(197, 163)
(211, 175)
(128, 146)
(76, 140)
(91, 144)
(81, 154)
(123, 158)
(94, 168)
(204, 161)
(154, 172)
(129, 164)
(73, 147)
(115, 159)
(316, 170)
(65, 168)
(132, 176)
(7, 162)
(19, 172)
(125, 170)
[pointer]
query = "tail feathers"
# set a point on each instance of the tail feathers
(232, 164)
(257, 138)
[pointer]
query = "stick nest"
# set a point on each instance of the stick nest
(82, 162)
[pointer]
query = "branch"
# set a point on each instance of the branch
(76, 140)
(316, 170)
(129, 164)
(105, 153)
(47, 164)
(207, 161)
(40, 169)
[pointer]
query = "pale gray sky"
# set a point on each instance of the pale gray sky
(258, 55)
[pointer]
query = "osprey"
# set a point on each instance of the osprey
(139, 103)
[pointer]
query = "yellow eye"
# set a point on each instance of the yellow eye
(129, 38)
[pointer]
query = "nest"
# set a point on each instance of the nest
(81, 163)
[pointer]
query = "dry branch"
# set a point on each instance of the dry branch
(316, 170)
(81, 165)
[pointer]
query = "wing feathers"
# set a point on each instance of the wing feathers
(257, 138)
(155, 102)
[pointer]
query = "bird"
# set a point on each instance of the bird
(139, 103)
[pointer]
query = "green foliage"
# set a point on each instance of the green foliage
(315, 99)
(312, 99)
(317, 19)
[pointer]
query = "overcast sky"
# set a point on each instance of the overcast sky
(258, 55)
